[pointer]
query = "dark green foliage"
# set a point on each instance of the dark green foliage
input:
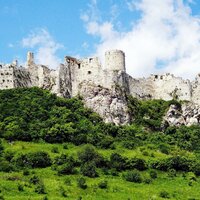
(164, 194)
(150, 112)
(81, 182)
(153, 174)
(133, 176)
(63, 192)
(38, 159)
(137, 163)
(34, 180)
(54, 150)
(89, 169)
(31, 114)
(67, 168)
(118, 162)
(178, 163)
(68, 181)
(20, 187)
(6, 166)
(2, 197)
(89, 154)
(40, 188)
(26, 172)
(1, 146)
(103, 184)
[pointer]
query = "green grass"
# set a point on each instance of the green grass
(118, 189)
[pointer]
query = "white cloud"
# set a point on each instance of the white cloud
(167, 33)
(45, 46)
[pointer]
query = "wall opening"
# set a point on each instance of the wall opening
(89, 72)
(79, 66)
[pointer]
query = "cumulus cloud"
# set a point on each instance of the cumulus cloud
(45, 45)
(166, 38)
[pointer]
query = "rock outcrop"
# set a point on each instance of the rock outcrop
(111, 104)
(187, 114)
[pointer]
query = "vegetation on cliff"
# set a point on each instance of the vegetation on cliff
(55, 148)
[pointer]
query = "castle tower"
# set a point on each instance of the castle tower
(115, 60)
(30, 59)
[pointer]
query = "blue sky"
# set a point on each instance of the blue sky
(157, 36)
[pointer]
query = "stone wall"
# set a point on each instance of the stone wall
(104, 88)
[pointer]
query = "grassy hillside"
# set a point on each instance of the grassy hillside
(54, 148)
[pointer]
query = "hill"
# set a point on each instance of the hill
(55, 148)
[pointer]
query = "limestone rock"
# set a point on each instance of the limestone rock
(188, 114)
(111, 104)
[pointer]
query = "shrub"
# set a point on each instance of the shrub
(40, 188)
(20, 187)
(103, 184)
(34, 180)
(133, 176)
(164, 194)
(172, 173)
(67, 168)
(65, 146)
(63, 192)
(137, 163)
(6, 166)
(68, 181)
(147, 180)
(38, 159)
(118, 162)
(106, 142)
(26, 172)
(81, 182)
(153, 174)
(2, 197)
(164, 148)
(89, 169)
(55, 150)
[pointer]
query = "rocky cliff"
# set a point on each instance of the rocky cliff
(187, 114)
(111, 104)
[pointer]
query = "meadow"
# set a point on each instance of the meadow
(54, 148)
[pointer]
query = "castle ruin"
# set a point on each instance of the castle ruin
(104, 88)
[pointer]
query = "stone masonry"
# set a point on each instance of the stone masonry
(103, 88)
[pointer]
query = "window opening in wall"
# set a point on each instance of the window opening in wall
(161, 77)
(156, 76)
(90, 60)
(89, 72)
(3, 80)
(79, 66)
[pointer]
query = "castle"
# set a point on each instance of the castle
(99, 85)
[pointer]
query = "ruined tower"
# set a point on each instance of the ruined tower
(30, 59)
(115, 60)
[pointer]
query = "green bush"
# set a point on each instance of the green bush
(6, 166)
(133, 176)
(20, 187)
(89, 169)
(38, 159)
(118, 162)
(54, 150)
(164, 194)
(137, 163)
(40, 188)
(67, 168)
(103, 184)
(89, 154)
(153, 174)
(34, 180)
(81, 182)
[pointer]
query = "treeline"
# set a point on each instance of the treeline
(33, 114)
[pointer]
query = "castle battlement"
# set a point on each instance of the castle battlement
(70, 76)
